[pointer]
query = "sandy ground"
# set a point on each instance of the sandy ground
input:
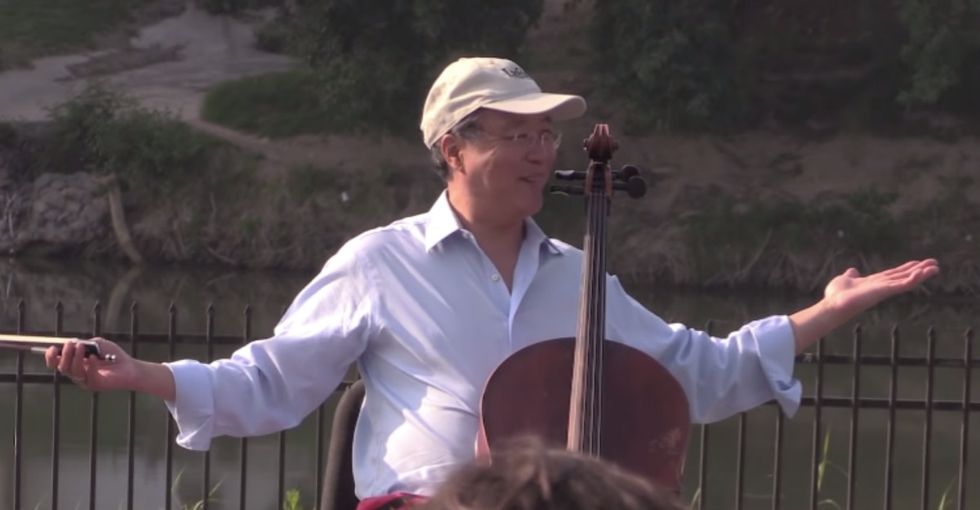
(205, 50)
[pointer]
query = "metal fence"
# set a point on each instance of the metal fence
(854, 405)
(718, 470)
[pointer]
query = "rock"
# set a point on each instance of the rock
(65, 212)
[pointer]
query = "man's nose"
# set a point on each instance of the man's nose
(541, 151)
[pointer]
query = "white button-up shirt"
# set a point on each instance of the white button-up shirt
(425, 315)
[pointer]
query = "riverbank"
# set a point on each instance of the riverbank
(766, 208)
(759, 210)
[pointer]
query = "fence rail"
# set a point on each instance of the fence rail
(703, 492)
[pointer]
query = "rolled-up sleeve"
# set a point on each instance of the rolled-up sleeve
(721, 376)
(272, 384)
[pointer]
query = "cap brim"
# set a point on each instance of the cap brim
(558, 106)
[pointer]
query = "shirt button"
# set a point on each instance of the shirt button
(495, 277)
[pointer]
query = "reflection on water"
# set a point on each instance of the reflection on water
(79, 287)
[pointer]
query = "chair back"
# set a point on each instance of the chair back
(338, 474)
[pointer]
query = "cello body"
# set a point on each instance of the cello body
(594, 396)
(645, 417)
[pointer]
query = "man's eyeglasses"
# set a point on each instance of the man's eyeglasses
(524, 140)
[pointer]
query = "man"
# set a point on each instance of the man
(429, 305)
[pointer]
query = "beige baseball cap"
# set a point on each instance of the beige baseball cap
(469, 84)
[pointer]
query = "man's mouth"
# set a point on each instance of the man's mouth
(534, 179)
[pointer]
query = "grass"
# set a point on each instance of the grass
(274, 105)
(200, 503)
(39, 28)
(291, 500)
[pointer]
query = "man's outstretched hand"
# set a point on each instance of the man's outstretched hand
(850, 294)
(124, 373)
(851, 291)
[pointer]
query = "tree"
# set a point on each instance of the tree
(375, 60)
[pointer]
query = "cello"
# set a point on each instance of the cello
(588, 394)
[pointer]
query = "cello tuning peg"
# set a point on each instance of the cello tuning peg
(566, 190)
(635, 187)
(628, 171)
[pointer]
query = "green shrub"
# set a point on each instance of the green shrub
(670, 61)
(103, 132)
(76, 124)
(712, 64)
(34, 29)
(375, 60)
(275, 105)
(942, 44)
(276, 36)
(370, 64)
(153, 147)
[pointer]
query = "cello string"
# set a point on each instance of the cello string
(587, 410)
(600, 325)
(597, 322)
(589, 365)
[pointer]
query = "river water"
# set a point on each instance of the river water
(78, 287)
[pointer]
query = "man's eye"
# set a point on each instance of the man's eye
(522, 137)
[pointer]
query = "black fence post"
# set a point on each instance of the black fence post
(965, 423)
(816, 469)
(855, 407)
(890, 437)
(131, 412)
(171, 429)
(94, 419)
(209, 341)
(19, 409)
(927, 426)
(56, 414)
(243, 475)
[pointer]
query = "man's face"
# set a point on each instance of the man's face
(506, 162)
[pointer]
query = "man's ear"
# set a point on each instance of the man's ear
(451, 152)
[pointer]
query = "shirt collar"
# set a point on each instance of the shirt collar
(442, 223)
(534, 234)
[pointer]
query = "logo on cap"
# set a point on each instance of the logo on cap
(515, 72)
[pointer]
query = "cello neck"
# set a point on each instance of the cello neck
(585, 411)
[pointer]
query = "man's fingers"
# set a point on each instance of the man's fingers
(51, 358)
(78, 364)
(928, 267)
(901, 269)
(67, 357)
(913, 278)
(923, 273)
(911, 266)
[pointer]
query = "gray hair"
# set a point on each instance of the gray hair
(463, 129)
